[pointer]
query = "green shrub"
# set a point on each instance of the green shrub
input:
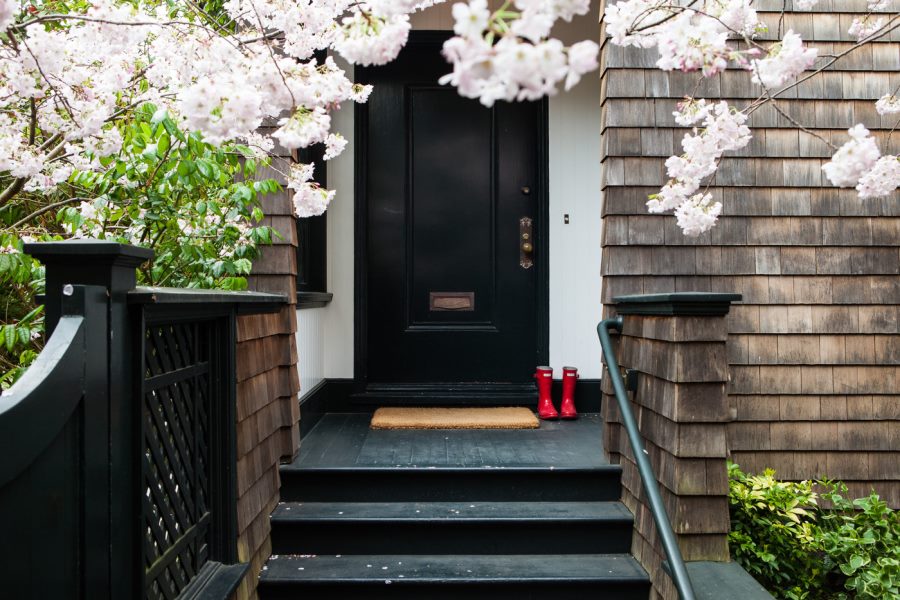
(862, 539)
(197, 206)
(773, 528)
(798, 550)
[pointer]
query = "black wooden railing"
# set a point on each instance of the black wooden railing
(118, 472)
(642, 460)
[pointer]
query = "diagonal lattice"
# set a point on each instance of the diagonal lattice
(175, 456)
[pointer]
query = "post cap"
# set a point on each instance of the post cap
(83, 250)
(706, 304)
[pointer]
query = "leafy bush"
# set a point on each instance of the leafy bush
(773, 527)
(862, 538)
(801, 551)
(194, 204)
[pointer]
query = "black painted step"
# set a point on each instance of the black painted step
(450, 484)
(596, 576)
(451, 528)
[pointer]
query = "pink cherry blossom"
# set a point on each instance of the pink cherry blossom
(861, 28)
(785, 61)
(853, 159)
(470, 19)
(882, 179)
(8, 10)
(687, 43)
(582, 59)
(698, 214)
(888, 104)
(309, 199)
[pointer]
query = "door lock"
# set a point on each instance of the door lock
(526, 243)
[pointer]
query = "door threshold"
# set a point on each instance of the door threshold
(446, 394)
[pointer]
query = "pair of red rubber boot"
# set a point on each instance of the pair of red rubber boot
(546, 410)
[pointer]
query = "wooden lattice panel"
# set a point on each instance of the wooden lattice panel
(175, 456)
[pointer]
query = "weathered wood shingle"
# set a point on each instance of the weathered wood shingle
(267, 387)
(814, 350)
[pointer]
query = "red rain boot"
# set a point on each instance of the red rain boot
(567, 407)
(544, 377)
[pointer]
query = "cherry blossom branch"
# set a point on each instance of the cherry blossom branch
(750, 109)
(16, 186)
(56, 93)
(272, 55)
(44, 210)
(88, 19)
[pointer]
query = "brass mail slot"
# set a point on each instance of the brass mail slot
(457, 301)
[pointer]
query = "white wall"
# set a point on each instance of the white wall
(310, 348)
(325, 335)
(339, 312)
(574, 126)
(575, 308)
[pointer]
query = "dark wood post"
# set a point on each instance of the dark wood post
(675, 346)
(111, 411)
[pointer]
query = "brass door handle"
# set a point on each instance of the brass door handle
(526, 243)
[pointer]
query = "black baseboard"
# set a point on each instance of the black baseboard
(587, 394)
(329, 395)
(313, 405)
(346, 395)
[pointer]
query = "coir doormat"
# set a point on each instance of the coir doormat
(453, 418)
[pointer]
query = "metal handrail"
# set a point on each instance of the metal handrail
(648, 477)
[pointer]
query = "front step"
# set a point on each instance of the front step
(451, 527)
(519, 577)
(448, 484)
(432, 514)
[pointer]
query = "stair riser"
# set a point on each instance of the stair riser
(511, 591)
(423, 485)
(442, 537)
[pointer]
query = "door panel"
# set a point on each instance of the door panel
(445, 184)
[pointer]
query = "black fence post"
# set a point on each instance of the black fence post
(111, 415)
(87, 262)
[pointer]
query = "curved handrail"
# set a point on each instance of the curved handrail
(641, 458)
(37, 406)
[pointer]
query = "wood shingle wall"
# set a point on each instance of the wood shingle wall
(681, 407)
(814, 349)
(267, 389)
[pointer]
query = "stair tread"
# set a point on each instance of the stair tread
(460, 569)
(346, 440)
(450, 511)
(303, 468)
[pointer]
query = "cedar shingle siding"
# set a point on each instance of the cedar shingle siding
(814, 349)
(267, 385)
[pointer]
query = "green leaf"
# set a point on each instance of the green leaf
(185, 167)
(163, 144)
(9, 337)
(204, 168)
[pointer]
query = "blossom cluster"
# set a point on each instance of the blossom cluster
(723, 130)
(525, 63)
(64, 87)
(65, 79)
(708, 37)
(858, 163)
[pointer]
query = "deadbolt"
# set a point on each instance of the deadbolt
(526, 190)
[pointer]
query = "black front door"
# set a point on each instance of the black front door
(452, 199)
